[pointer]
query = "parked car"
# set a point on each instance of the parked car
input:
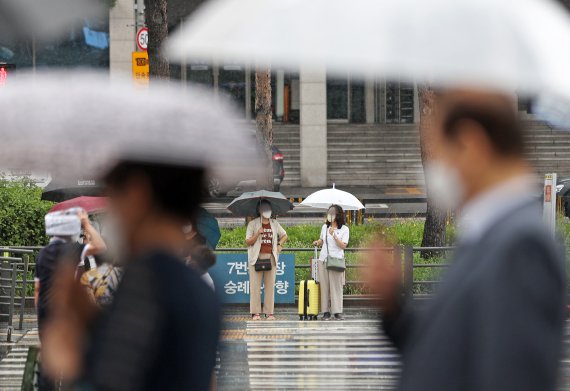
(218, 189)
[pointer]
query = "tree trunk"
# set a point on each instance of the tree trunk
(264, 123)
(434, 226)
(157, 23)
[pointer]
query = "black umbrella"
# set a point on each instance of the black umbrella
(62, 190)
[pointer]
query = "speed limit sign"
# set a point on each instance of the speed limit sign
(142, 38)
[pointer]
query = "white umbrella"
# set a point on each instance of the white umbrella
(323, 199)
(500, 44)
(81, 124)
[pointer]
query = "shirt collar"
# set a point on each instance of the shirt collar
(482, 212)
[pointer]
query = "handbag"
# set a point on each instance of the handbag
(262, 265)
(334, 263)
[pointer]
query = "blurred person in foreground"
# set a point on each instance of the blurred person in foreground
(64, 230)
(161, 331)
(497, 321)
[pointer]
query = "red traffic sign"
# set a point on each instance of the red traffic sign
(142, 38)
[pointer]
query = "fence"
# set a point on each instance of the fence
(419, 278)
(418, 273)
(14, 278)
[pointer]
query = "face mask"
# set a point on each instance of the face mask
(444, 185)
(266, 214)
(330, 217)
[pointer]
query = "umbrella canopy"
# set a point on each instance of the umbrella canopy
(45, 19)
(481, 43)
(59, 191)
(323, 199)
(84, 129)
(246, 204)
(209, 228)
(89, 204)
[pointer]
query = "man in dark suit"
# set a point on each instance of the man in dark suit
(497, 320)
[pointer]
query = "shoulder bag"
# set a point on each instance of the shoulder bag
(334, 263)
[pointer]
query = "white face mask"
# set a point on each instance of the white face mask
(330, 217)
(266, 214)
(444, 184)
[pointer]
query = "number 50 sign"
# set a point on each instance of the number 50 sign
(142, 38)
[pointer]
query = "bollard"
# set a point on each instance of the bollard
(11, 305)
(408, 271)
(24, 293)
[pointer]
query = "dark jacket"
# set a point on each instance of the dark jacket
(161, 331)
(496, 323)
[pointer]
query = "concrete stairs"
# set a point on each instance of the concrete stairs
(389, 155)
(286, 138)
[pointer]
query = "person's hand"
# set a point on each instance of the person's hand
(316, 243)
(383, 276)
(279, 248)
(84, 218)
(331, 230)
(260, 231)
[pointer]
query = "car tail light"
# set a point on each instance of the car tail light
(278, 156)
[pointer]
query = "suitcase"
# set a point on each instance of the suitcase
(309, 300)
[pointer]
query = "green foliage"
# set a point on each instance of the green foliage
(22, 213)
(110, 3)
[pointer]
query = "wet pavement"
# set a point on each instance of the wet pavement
(286, 354)
(292, 354)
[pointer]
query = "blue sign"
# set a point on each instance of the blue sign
(231, 278)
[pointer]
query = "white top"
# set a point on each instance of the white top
(208, 280)
(335, 250)
(487, 208)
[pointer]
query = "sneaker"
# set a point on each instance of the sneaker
(327, 316)
(338, 317)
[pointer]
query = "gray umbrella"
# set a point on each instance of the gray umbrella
(246, 204)
(59, 191)
(79, 125)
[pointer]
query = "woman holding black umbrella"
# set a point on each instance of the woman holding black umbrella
(264, 238)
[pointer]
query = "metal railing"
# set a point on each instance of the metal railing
(404, 253)
(13, 285)
(15, 269)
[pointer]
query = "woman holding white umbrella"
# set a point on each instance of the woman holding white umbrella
(333, 240)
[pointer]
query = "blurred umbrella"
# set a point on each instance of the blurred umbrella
(482, 43)
(246, 204)
(46, 19)
(59, 191)
(209, 228)
(80, 125)
(89, 204)
(323, 199)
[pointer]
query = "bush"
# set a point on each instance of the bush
(22, 213)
